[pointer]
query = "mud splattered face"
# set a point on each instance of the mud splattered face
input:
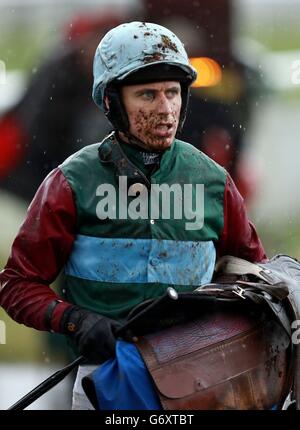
(153, 110)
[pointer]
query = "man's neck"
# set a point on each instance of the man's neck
(136, 143)
(149, 159)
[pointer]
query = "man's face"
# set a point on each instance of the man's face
(153, 111)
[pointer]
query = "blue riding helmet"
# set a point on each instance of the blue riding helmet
(138, 52)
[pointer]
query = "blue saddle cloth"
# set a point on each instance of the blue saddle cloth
(124, 382)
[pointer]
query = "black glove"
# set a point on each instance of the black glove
(93, 334)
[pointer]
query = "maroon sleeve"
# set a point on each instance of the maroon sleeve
(239, 237)
(38, 253)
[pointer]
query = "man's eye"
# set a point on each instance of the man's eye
(172, 93)
(148, 95)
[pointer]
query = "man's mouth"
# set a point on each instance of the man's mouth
(164, 129)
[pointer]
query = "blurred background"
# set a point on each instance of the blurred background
(244, 113)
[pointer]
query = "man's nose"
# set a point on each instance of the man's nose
(164, 105)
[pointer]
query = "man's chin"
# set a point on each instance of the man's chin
(160, 144)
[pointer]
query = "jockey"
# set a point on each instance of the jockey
(131, 216)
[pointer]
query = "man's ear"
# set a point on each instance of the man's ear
(106, 102)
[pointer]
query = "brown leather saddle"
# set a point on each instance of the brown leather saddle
(227, 345)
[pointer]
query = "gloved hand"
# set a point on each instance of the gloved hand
(93, 334)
